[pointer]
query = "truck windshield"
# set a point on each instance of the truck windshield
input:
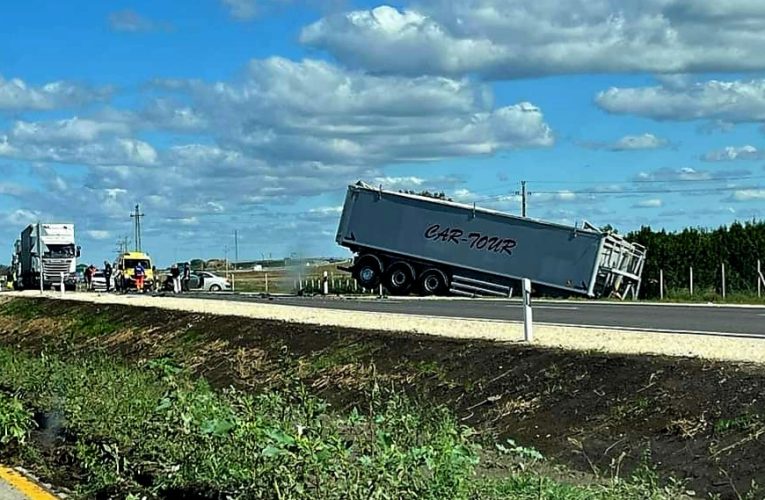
(131, 263)
(60, 251)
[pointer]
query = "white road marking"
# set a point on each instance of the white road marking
(560, 308)
(662, 330)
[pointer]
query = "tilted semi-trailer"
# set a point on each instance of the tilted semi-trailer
(410, 243)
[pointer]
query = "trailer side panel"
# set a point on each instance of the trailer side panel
(482, 240)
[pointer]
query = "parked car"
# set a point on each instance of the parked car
(72, 280)
(205, 281)
(99, 281)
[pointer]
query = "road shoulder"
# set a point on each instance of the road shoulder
(16, 486)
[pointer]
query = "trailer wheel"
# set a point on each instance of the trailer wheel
(433, 282)
(399, 278)
(368, 271)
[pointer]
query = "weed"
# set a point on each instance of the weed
(15, 420)
(435, 370)
(519, 451)
(741, 423)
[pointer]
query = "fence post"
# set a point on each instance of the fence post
(661, 284)
(723, 279)
(760, 278)
(691, 280)
(528, 330)
(325, 284)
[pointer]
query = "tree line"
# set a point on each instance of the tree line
(738, 246)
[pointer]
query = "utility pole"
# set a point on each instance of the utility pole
(524, 197)
(122, 245)
(40, 255)
(137, 227)
(236, 248)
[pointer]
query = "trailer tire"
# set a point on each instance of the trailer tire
(399, 278)
(368, 271)
(433, 282)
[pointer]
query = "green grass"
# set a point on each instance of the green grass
(684, 295)
(339, 355)
(125, 423)
(94, 325)
(22, 309)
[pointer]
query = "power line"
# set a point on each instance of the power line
(660, 191)
(655, 181)
(709, 190)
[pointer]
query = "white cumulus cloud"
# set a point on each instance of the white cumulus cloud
(130, 21)
(241, 10)
(748, 195)
(725, 101)
(17, 95)
(631, 143)
(649, 203)
(98, 234)
(732, 153)
(518, 38)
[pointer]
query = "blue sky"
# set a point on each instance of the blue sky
(255, 114)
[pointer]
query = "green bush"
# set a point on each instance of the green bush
(739, 246)
(15, 420)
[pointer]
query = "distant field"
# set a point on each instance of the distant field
(292, 279)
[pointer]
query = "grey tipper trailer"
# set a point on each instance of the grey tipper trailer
(411, 243)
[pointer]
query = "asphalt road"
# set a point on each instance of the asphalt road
(700, 319)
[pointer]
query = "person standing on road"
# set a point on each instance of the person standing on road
(86, 277)
(118, 281)
(140, 274)
(186, 276)
(108, 275)
(89, 277)
(176, 274)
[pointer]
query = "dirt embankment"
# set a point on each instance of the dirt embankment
(696, 420)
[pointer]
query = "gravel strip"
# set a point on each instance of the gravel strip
(566, 337)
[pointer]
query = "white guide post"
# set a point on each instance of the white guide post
(62, 283)
(528, 331)
(325, 283)
(723, 280)
(691, 288)
(661, 284)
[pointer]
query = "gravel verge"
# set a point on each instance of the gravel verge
(545, 335)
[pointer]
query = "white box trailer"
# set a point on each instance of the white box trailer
(411, 243)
